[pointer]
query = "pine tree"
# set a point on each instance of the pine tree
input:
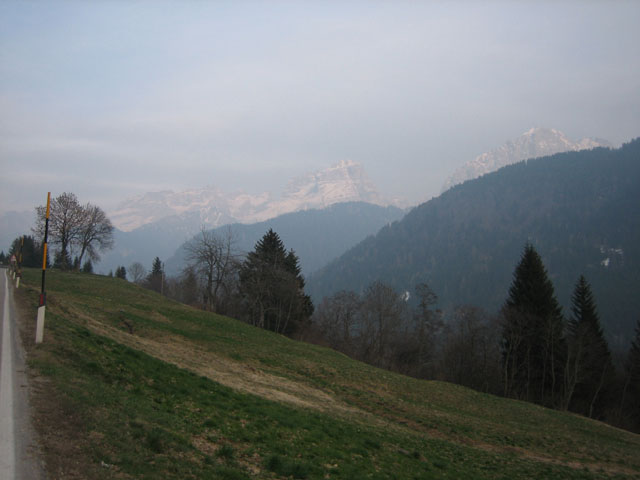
(533, 347)
(31, 251)
(272, 287)
(61, 260)
(87, 267)
(121, 272)
(589, 371)
(155, 280)
(189, 288)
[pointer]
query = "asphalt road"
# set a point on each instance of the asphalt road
(19, 458)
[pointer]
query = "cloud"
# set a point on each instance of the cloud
(124, 96)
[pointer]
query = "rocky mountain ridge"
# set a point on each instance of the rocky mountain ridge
(534, 143)
(345, 181)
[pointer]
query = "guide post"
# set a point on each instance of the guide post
(43, 293)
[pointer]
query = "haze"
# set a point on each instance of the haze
(114, 99)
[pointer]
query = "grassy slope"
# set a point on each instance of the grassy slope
(194, 395)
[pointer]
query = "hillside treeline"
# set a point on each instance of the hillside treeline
(582, 209)
(529, 350)
(264, 288)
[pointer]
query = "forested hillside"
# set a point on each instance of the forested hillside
(317, 236)
(581, 211)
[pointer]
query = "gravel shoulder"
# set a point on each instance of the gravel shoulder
(20, 455)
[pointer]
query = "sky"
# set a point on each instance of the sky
(117, 98)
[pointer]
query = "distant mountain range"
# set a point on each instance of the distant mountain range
(345, 181)
(157, 223)
(537, 142)
(581, 210)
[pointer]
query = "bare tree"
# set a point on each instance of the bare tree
(517, 356)
(65, 221)
(383, 319)
(212, 256)
(337, 317)
(71, 224)
(470, 353)
(428, 323)
(137, 272)
(96, 233)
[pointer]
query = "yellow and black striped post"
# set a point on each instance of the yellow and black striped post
(43, 293)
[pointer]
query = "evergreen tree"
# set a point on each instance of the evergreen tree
(156, 267)
(533, 347)
(155, 280)
(61, 260)
(31, 251)
(121, 272)
(272, 287)
(589, 371)
(189, 287)
(87, 267)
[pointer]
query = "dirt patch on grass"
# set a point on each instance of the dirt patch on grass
(236, 375)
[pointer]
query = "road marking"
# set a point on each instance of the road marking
(7, 441)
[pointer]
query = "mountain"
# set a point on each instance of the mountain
(344, 182)
(317, 235)
(581, 211)
(537, 142)
(157, 223)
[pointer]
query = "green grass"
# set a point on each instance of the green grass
(151, 419)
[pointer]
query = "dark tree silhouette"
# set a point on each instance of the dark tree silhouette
(589, 371)
(533, 346)
(272, 287)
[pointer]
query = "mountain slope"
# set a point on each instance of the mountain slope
(317, 236)
(581, 210)
(149, 388)
(537, 142)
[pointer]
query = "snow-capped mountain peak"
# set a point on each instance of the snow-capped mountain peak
(346, 181)
(536, 142)
(343, 182)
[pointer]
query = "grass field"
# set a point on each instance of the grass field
(132, 385)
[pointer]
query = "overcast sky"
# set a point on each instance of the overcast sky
(113, 99)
